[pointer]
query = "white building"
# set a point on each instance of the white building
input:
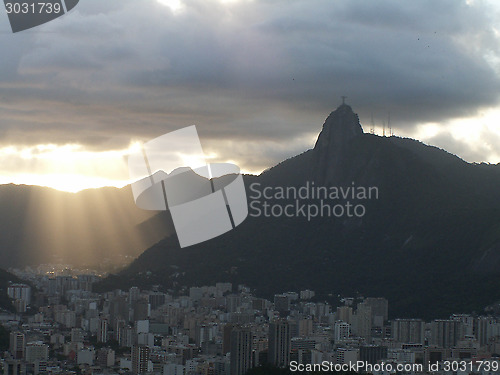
(347, 355)
(36, 351)
(142, 326)
(85, 356)
(173, 369)
(341, 331)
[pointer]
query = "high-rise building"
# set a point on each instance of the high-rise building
(133, 294)
(102, 331)
(281, 303)
(203, 333)
(17, 345)
(301, 356)
(126, 336)
(364, 321)
(119, 309)
(241, 350)
(37, 351)
(175, 369)
(485, 329)
(156, 299)
(372, 354)
(279, 343)
(20, 291)
(14, 367)
(341, 331)
(40, 367)
(233, 301)
(85, 281)
(20, 305)
(305, 327)
(344, 313)
(85, 356)
(380, 310)
(347, 355)
(467, 323)
(408, 331)
(302, 343)
(445, 333)
(140, 358)
(226, 338)
(106, 357)
(77, 335)
(322, 310)
(142, 310)
(52, 286)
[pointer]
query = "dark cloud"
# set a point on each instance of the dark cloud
(262, 74)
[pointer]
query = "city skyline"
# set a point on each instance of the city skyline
(229, 330)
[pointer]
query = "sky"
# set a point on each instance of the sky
(257, 77)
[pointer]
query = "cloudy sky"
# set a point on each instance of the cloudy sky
(257, 77)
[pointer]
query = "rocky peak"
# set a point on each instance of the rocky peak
(340, 127)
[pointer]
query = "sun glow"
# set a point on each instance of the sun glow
(72, 168)
(71, 183)
(68, 168)
(174, 5)
(177, 6)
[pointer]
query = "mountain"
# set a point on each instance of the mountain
(428, 237)
(92, 227)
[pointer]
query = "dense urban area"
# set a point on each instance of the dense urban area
(61, 327)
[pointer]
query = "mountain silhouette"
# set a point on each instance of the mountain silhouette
(430, 242)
